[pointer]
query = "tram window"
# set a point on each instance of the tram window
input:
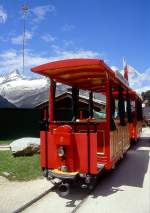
(62, 103)
(116, 113)
(99, 112)
(99, 115)
(125, 108)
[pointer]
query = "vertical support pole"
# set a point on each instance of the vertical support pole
(75, 102)
(107, 138)
(51, 101)
(51, 116)
(91, 104)
(108, 103)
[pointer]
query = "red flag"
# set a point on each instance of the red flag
(126, 72)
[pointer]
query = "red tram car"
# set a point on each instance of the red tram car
(79, 149)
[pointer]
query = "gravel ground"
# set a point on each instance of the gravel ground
(16, 194)
(125, 190)
(4, 147)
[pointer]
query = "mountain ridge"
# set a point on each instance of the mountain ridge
(22, 91)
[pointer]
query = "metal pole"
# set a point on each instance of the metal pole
(25, 10)
(51, 101)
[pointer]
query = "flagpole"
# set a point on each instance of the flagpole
(125, 68)
(24, 10)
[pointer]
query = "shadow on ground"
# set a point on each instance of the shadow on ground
(129, 172)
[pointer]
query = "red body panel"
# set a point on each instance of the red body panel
(93, 153)
(82, 151)
(53, 160)
(76, 152)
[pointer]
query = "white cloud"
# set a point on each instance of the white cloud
(40, 12)
(8, 54)
(48, 38)
(19, 39)
(13, 58)
(140, 81)
(68, 27)
(114, 68)
(78, 54)
(3, 15)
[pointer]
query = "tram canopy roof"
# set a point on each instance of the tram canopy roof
(89, 74)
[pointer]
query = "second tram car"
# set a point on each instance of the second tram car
(77, 150)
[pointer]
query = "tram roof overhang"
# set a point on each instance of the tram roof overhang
(88, 74)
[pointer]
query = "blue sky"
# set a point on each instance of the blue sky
(55, 29)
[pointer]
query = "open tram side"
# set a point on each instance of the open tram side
(78, 149)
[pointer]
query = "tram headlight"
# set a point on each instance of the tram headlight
(61, 151)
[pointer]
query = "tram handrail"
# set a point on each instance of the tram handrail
(46, 123)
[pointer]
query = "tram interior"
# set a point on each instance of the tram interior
(64, 111)
(88, 118)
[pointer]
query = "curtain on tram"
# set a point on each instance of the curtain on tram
(139, 115)
(121, 107)
(112, 109)
(129, 108)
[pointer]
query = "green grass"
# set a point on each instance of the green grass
(20, 168)
(5, 142)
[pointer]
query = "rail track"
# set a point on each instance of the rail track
(52, 189)
(82, 202)
(34, 200)
(89, 192)
(38, 198)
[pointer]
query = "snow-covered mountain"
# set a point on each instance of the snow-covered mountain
(21, 91)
